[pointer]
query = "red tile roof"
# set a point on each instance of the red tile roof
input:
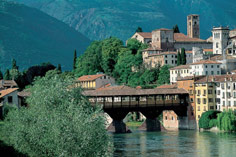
(90, 77)
(217, 78)
(152, 49)
(170, 86)
(180, 37)
(206, 62)
(187, 66)
(145, 34)
(7, 91)
(115, 88)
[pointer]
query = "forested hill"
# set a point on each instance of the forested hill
(32, 37)
(99, 19)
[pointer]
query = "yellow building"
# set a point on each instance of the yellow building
(94, 81)
(205, 96)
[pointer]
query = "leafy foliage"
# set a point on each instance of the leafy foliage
(164, 76)
(183, 56)
(204, 121)
(227, 121)
(7, 75)
(58, 122)
(179, 61)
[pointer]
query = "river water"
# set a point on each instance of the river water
(182, 143)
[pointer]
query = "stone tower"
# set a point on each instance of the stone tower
(193, 29)
(220, 37)
(163, 39)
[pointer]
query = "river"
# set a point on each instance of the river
(182, 143)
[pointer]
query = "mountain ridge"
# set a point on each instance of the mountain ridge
(99, 19)
(32, 37)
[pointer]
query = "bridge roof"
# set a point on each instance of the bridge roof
(134, 92)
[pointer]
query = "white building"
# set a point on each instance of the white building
(220, 39)
(225, 92)
(204, 67)
(179, 72)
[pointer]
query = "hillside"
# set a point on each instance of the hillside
(98, 19)
(32, 37)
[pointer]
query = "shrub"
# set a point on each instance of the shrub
(58, 122)
(227, 121)
(204, 121)
(213, 123)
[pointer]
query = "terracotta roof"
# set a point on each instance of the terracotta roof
(189, 78)
(114, 88)
(7, 83)
(134, 92)
(23, 94)
(180, 37)
(90, 77)
(167, 86)
(220, 57)
(206, 62)
(169, 53)
(145, 34)
(188, 51)
(7, 91)
(163, 29)
(208, 50)
(187, 66)
(217, 78)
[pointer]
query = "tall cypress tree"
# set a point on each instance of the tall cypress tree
(59, 67)
(14, 66)
(7, 75)
(176, 29)
(74, 61)
(1, 75)
(183, 56)
(178, 59)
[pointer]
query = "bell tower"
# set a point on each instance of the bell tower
(193, 29)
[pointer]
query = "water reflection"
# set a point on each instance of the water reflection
(175, 143)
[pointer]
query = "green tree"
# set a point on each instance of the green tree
(110, 50)
(139, 29)
(1, 75)
(164, 76)
(183, 56)
(59, 68)
(179, 61)
(204, 121)
(91, 61)
(74, 60)
(7, 75)
(176, 29)
(14, 66)
(227, 121)
(59, 122)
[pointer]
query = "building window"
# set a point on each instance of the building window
(204, 92)
(218, 73)
(204, 108)
(166, 117)
(9, 99)
(212, 66)
(206, 72)
(212, 107)
(209, 91)
(223, 103)
(166, 62)
(198, 100)
(204, 100)
(210, 100)
(218, 66)
(218, 92)
(212, 72)
(222, 86)
(229, 103)
(228, 95)
(234, 94)
(198, 92)
(198, 108)
(217, 45)
(206, 66)
(191, 99)
(234, 103)
(172, 118)
(172, 62)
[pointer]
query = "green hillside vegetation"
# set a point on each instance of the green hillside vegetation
(124, 63)
(32, 37)
(99, 19)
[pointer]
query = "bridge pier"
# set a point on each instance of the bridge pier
(151, 123)
(117, 125)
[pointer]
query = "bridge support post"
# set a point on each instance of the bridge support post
(117, 125)
(151, 123)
